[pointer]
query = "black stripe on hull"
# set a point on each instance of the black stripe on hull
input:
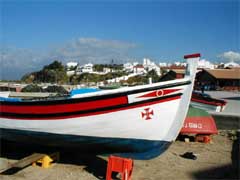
(132, 148)
(88, 112)
(93, 98)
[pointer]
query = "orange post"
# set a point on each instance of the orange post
(121, 165)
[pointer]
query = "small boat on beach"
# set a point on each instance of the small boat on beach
(207, 103)
(110, 86)
(139, 122)
(198, 122)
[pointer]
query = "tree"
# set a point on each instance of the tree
(52, 73)
(153, 75)
(32, 88)
(56, 89)
(55, 65)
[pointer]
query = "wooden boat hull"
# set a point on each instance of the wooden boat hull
(135, 122)
(207, 103)
(125, 147)
(207, 107)
(141, 119)
(198, 121)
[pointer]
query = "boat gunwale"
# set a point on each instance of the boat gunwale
(213, 102)
(97, 96)
(81, 113)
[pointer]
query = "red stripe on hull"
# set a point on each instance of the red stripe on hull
(63, 108)
(97, 112)
(208, 102)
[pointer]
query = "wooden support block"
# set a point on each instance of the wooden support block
(203, 138)
(46, 161)
(24, 162)
(27, 160)
(187, 140)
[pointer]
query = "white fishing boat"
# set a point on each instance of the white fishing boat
(139, 121)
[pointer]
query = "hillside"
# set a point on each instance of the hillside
(52, 73)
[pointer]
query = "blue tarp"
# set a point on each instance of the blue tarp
(83, 90)
(10, 99)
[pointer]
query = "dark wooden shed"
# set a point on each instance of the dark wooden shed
(225, 79)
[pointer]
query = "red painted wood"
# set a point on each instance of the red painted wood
(159, 93)
(120, 165)
(208, 102)
(45, 109)
(97, 112)
(199, 125)
(192, 56)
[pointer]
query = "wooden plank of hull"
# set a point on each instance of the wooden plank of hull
(206, 107)
(154, 117)
(128, 123)
(151, 120)
(125, 147)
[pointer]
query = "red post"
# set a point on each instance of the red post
(121, 165)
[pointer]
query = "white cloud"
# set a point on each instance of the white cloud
(85, 50)
(93, 49)
(16, 62)
(99, 43)
(231, 56)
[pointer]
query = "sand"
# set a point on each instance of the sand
(216, 160)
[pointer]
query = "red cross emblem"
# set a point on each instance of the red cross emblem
(147, 114)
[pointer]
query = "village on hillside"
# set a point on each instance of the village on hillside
(223, 76)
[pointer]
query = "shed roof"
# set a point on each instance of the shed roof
(139, 66)
(179, 71)
(224, 73)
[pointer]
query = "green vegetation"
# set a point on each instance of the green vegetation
(32, 88)
(100, 67)
(56, 73)
(153, 75)
(50, 89)
(143, 79)
(87, 77)
(56, 89)
(52, 73)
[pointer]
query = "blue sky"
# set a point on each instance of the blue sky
(34, 33)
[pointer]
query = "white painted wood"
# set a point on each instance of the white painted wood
(164, 124)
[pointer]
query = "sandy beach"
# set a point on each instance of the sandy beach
(216, 160)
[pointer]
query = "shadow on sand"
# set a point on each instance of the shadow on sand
(231, 171)
(92, 163)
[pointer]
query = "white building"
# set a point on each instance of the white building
(71, 65)
(70, 73)
(128, 67)
(147, 62)
(87, 68)
(150, 65)
(163, 64)
(106, 70)
(71, 68)
(231, 65)
(139, 69)
(203, 63)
